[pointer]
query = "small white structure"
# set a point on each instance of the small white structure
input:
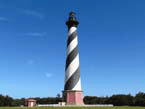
(62, 103)
(99, 105)
(53, 105)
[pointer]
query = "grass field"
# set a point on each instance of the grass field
(121, 107)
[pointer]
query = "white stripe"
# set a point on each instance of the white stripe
(72, 68)
(72, 45)
(72, 29)
(78, 86)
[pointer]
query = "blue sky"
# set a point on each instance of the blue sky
(33, 38)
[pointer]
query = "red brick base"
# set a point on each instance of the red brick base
(73, 97)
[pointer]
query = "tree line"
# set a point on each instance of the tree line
(116, 100)
(9, 101)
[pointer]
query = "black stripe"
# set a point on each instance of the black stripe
(71, 37)
(71, 56)
(73, 80)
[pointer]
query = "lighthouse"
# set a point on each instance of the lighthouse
(72, 93)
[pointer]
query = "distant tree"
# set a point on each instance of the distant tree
(16, 102)
(58, 95)
(95, 100)
(121, 100)
(140, 99)
(38, 100)
(22, 101)
(1, 101)
(7, 101)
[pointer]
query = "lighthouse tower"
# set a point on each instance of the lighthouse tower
(72, 93)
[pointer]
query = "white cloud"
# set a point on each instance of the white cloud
(3, 19)
(37, 34)
(33, 13)
(48, 75)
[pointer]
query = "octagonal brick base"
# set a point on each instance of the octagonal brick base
(72, 97)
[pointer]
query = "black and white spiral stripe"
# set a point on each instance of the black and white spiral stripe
(72, 69)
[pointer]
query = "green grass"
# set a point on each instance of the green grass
(119, 107)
